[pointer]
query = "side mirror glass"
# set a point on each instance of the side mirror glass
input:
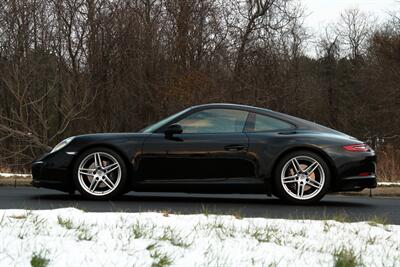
(173, 129)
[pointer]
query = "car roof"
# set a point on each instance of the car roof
(230, 105)
(250, 109)
(299, 122)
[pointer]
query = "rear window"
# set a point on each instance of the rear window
(263, 123)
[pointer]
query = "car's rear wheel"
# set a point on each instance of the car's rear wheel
(100, 173)
(302, 177)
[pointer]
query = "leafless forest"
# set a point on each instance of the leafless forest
(82, 66)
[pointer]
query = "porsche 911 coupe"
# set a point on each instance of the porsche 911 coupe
(212, 148)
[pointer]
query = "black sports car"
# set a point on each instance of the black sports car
(213, 148)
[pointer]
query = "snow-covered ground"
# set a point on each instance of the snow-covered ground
(71, 237)
(6, 174)
(389, 183)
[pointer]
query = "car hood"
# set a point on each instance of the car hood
(110, 136)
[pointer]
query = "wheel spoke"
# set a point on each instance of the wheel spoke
(300, 189)
(310, 169)
(97, 160)
(108, 182)
(314, 183)
(88, 172)
(290, 179)
(111, 167)
(94, 184)
(296, 165)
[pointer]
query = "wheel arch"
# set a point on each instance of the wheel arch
(116, 149)
(328, 160)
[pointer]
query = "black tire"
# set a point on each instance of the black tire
(120, 189)
(279, 189)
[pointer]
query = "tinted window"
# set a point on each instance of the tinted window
(215, 121)
(265, 123)
(155, 126)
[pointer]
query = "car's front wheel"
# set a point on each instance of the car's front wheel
(100, 174)
(302, 177)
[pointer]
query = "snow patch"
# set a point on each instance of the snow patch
(71, 237)
(5, 174)
(389, 184)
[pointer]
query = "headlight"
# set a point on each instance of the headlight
(62, 144)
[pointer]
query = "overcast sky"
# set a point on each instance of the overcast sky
(323, 12)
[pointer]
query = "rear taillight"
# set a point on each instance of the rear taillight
(357, 148)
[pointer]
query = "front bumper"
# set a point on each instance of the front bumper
(53, 171)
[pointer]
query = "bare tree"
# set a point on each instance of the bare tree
(78, 66)
(354, 29)
(248, 18)
(329, 49)
(45, 96)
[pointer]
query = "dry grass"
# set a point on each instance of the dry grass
(388, 164)
(5, 170)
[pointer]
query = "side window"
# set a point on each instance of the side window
(265, 123)
(215, 121)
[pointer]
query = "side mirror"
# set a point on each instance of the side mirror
(173, 129)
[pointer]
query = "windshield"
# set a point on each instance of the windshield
(155, 126)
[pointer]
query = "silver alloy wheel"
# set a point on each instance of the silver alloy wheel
(99, 174)
(302, 177)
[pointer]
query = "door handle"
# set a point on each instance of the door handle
(234, 147)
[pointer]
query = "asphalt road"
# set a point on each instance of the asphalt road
(355, 208)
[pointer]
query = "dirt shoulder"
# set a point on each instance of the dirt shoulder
(15, 181)
(389, 191)
(381, 191)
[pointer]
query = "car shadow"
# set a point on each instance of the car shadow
(181, 198)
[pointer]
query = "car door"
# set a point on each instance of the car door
(212, 146)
